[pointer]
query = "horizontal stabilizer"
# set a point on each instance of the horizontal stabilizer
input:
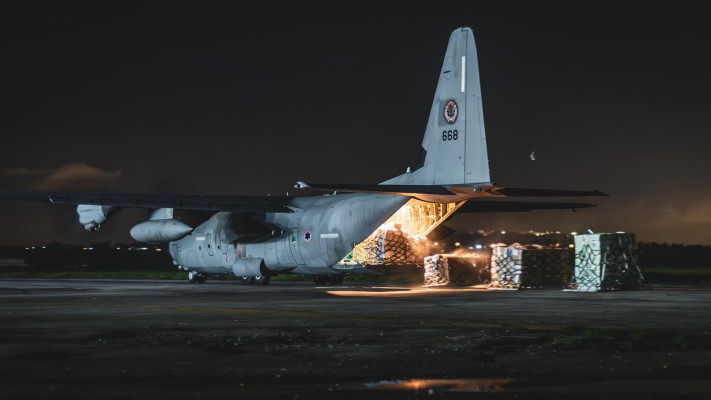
(484, 206)
(140, 200)
(525, 192)
(404, 190)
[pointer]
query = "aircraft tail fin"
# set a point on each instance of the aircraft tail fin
(454, 146)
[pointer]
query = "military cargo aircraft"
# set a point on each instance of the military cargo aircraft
(257, 237)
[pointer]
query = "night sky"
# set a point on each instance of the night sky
(130, 97)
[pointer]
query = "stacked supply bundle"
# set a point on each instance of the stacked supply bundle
(389, 247)
(532, 266)
(436, 270)
(549, 267)
(453, 269)
(506, 265)
(468, 269)
(396, 247)
(606, 261)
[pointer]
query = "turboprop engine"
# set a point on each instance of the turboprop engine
(92, 216)
(161, 227)
(163, 230)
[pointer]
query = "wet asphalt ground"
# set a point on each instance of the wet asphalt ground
(295, 340)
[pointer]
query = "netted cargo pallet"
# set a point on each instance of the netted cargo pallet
(389, 247)
(453, 269)
(606, 261)
(436, 270)
(533, 266)
(506, 266)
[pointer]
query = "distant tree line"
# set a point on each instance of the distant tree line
(96, 256)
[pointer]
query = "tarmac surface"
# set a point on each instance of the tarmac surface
(294, 340)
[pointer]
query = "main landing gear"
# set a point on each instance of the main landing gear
(328, 279)
(256, 280)
(194, 277)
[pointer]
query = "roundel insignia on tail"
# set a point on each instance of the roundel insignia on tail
(450, 112)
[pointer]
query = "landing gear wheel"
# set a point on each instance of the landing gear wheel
(335, 279)
(262, 280)
(194, 277)
(248, 280)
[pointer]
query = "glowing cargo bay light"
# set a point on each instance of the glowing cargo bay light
(416, 219)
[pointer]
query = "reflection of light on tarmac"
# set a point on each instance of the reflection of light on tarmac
(394, 291)
(450, 385)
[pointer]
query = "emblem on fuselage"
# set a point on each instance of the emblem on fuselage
(451, 111)
(307, 236)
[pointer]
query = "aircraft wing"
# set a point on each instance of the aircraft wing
(402, 190)
(484, 206)
(528, 192)
(414, 190)
(178, 201)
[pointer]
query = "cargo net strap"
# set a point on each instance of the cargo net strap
(609, 268)
(587, 269)
(513, 267)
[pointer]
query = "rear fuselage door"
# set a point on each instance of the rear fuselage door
(293, 239)
(210, 243)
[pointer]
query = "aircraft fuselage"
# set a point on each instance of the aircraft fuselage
(310, 240)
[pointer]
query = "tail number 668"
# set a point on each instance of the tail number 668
(450, 135)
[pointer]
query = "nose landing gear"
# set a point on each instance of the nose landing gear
(194, 277)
